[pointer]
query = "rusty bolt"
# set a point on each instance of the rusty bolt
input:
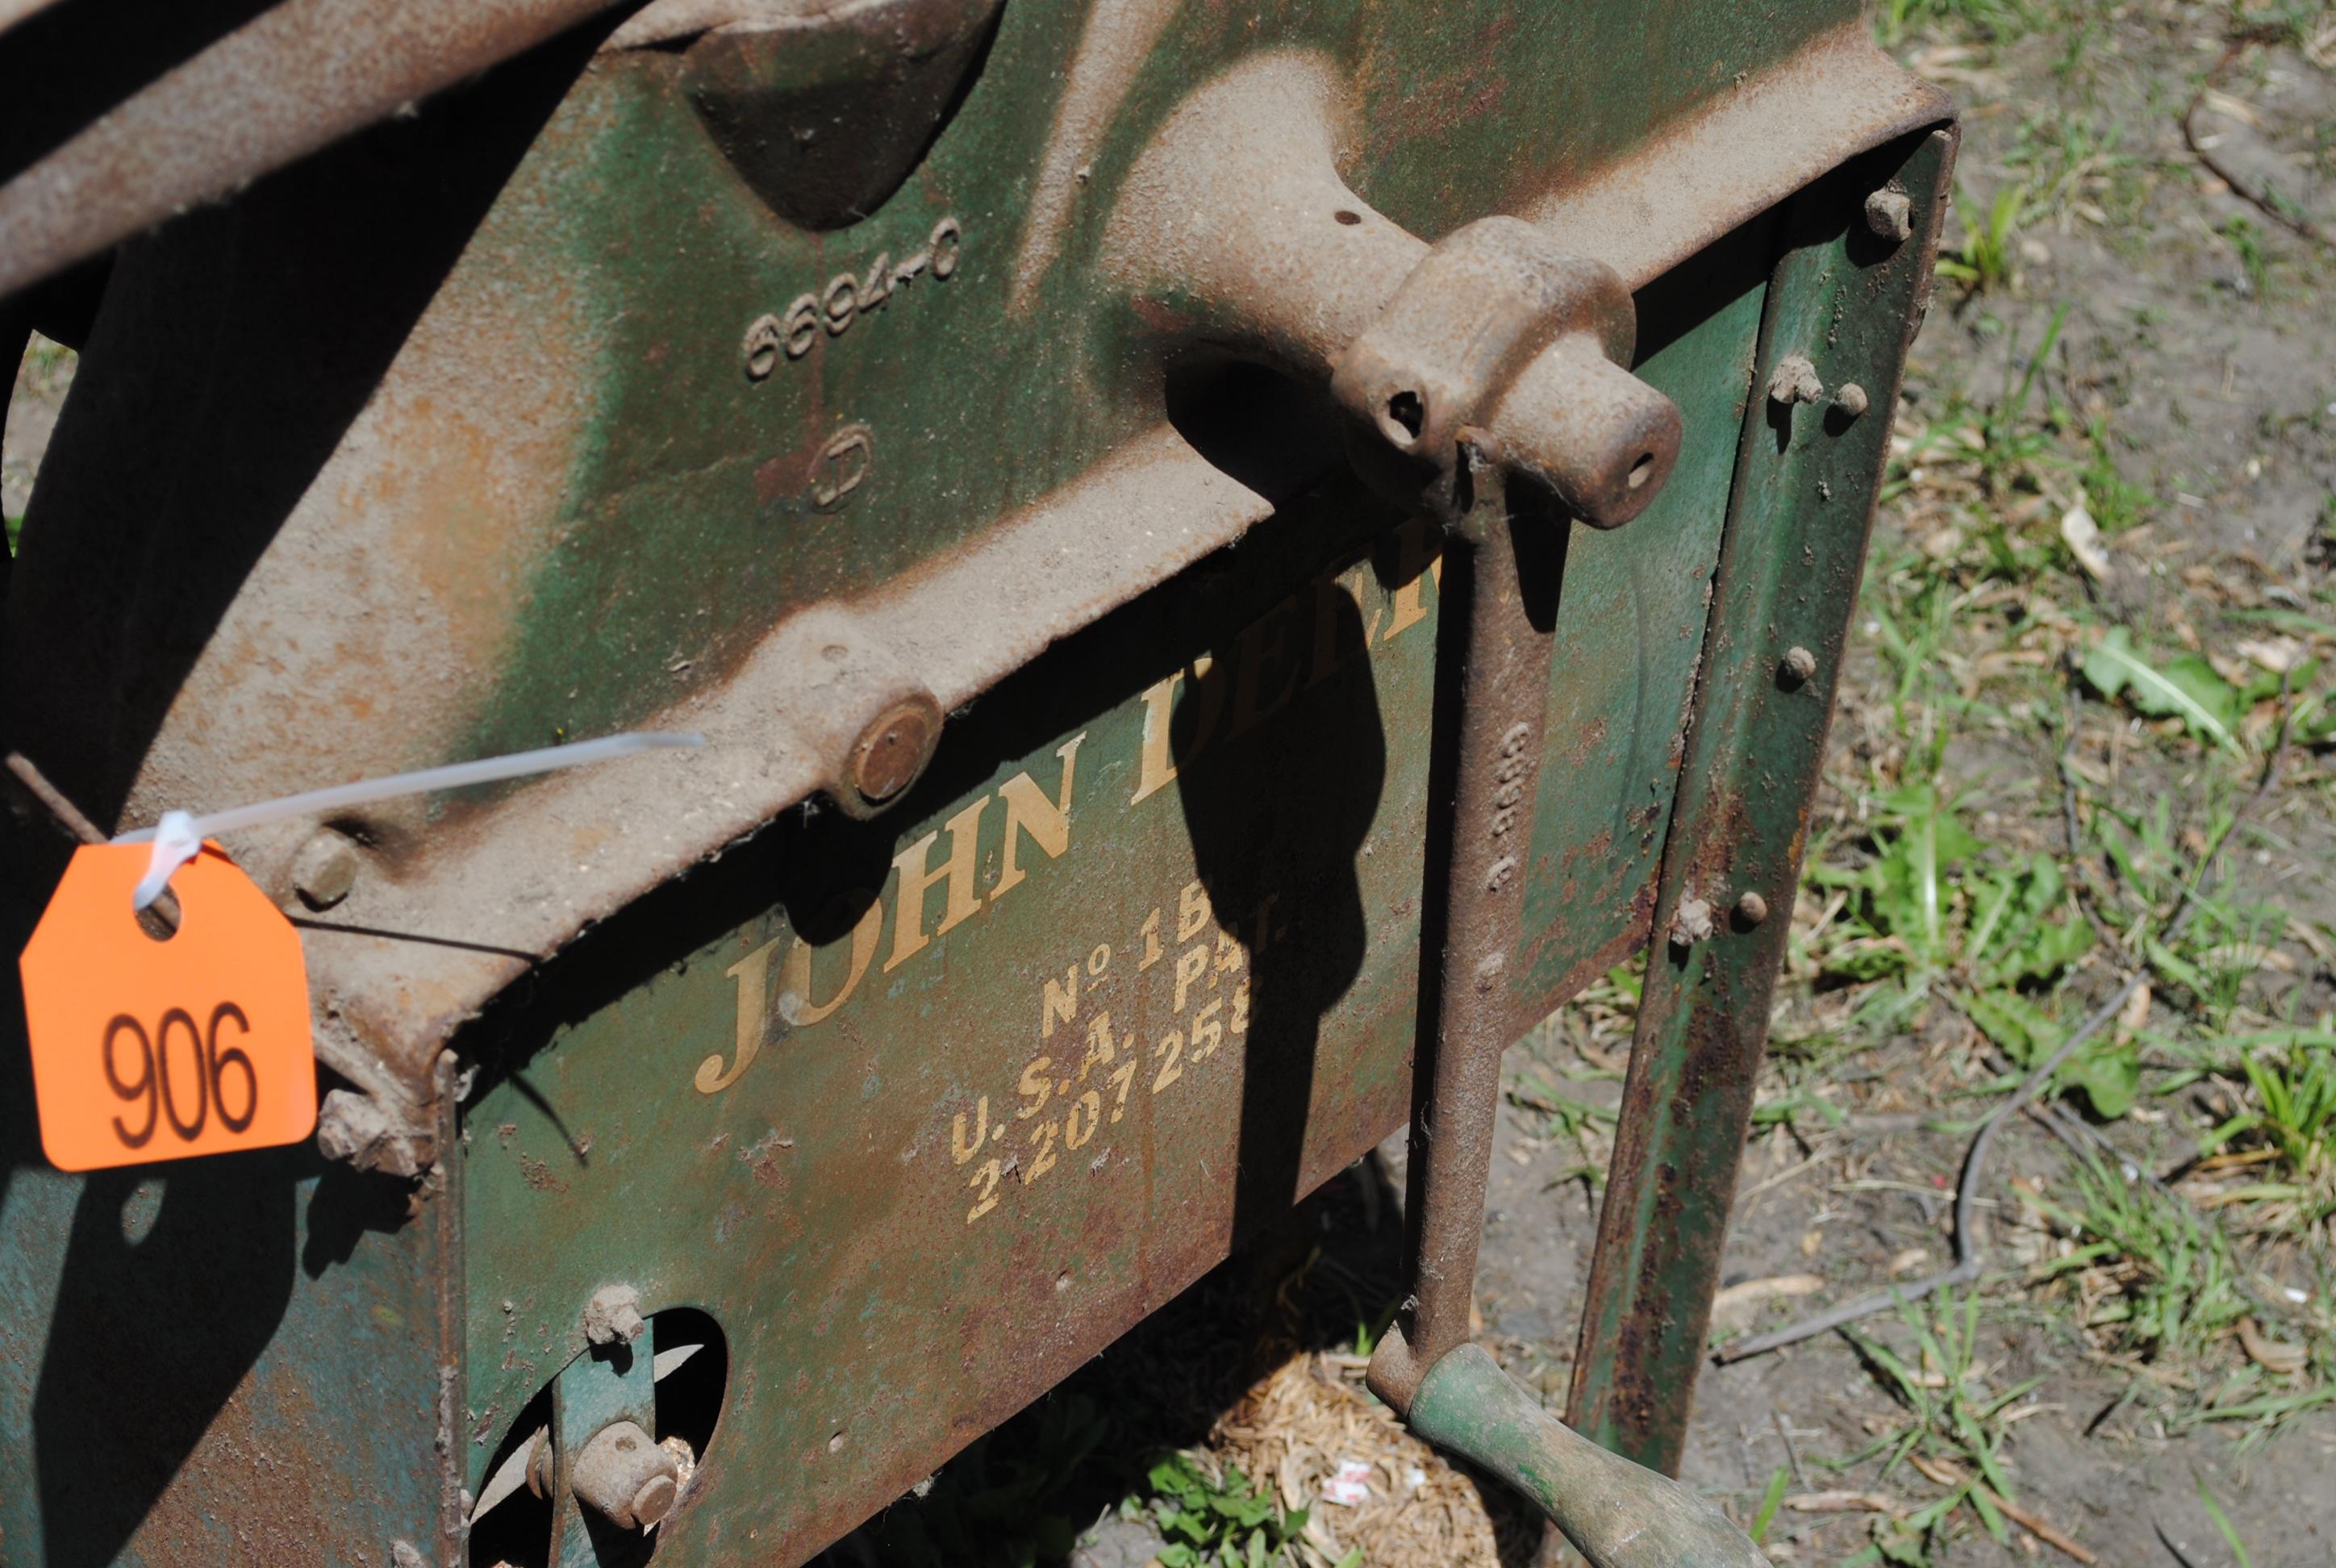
(891, 751)
(1794, 380)
(325, 869)
(1799, 664)
(360, 1130)
(1891, 215)
(1850, 401)
(1751, 908)
(1691, 922)
(624, 1475)
(613, 1316)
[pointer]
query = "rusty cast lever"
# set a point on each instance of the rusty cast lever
(1620, 1514)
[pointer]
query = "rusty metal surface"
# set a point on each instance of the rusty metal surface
(1845, 300)
(922, 1152)
(537, 487)
(84, 173)
(1155, 487)
(1776, 132)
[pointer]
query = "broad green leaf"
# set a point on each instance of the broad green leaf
(2108, 1073)
(2025, 1031)
(2186, 688)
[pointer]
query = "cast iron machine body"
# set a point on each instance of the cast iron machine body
(1229, 560)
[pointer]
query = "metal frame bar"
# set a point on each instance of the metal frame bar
(1848, 299)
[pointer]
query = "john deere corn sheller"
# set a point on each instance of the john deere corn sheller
(1229, 558)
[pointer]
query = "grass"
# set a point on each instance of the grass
(1983, 910)
(1954, 1429)
(2164, 1285)
(2239, 1552)
(1987, 259)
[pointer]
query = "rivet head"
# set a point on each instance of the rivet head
(1751, 909)
(1890, 214)
(1799, 664)
(893, 750)
(326, 869)
(1850, 401)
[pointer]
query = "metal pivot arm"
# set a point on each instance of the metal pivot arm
(1235, 231)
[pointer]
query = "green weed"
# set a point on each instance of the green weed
(2174, 1287)
(1566, 1117)
(1214, 1517)
(2116, 502)
(2246, 240)
(1770, 1501)
(2295, 1088)
(1984, 261)
(1995, 21)
(1953, 1422)
(2184, 687)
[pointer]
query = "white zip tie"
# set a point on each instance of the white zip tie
(178, 838)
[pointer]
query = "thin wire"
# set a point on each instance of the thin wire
(454, 776)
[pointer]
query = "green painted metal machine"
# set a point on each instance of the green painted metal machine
(1228, 558)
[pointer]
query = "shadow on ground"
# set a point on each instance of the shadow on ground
(1028, 1493)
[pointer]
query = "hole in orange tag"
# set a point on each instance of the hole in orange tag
(148, 1050)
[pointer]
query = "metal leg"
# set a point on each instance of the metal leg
(1832, 349)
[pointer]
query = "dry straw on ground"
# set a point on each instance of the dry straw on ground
(1300, 1424)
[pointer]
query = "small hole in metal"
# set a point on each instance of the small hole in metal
(1348, 217)
(1406, 409)
(1642, 469)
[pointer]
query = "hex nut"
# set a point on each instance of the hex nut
(1890, 214)
(1692, 922)
(624, 1475)
(1799, 664)
(1850, 402)
(326, 868)
(613, 1316)
(1794, 380)
(359, 1130)
(1751, 909)
(893, 750)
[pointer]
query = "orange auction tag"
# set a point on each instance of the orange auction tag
(146, 1049)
